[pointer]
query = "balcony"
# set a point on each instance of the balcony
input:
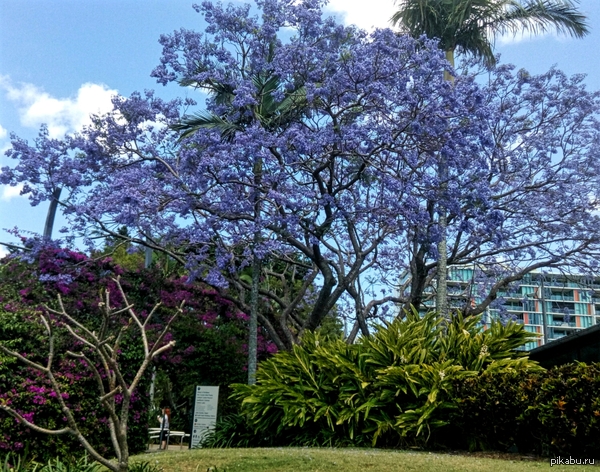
(564, 324)
(562, 308)
(561, 297)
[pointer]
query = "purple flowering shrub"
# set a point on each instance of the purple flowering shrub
(210, 347)
(27, 285)
(211, 341)
(34, 398)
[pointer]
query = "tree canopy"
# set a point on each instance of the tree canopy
(349, 181)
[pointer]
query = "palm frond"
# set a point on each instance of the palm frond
(469, 26)
(190, 124)
(540, 16)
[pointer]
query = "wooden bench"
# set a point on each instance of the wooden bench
(154, 434)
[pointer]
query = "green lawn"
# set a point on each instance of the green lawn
(346, 460)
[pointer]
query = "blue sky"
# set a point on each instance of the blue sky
(63, 59)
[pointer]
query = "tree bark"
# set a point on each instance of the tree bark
(256, 269)
(51, 213)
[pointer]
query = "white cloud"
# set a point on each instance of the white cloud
(8, 192)
(366, 15)
(3, 132)
(523, 36)
(3, 251)
(62, 115)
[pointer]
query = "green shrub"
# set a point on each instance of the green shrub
(232, 431)
(489, 411)
(392, 388)
(16, 463)
(556, 412)
(78, 465)
(565, 412)
(144, 466)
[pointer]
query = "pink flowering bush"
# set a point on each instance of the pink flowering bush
(25, 286)
(211, 341)
(210, 346)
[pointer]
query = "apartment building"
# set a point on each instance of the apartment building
(552, 305)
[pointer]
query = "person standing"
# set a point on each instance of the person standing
(163, 419)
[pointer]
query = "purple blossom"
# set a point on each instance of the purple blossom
(39, 400)
(349, 180)
(28, 416)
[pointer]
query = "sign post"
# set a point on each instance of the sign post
(206, 401)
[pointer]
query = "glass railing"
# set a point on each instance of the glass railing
(564, 324)
(562, 311)
(568, 298)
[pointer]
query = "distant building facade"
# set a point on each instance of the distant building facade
(552, 305)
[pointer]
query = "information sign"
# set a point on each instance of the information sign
(206, 401)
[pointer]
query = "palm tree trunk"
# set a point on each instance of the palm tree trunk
(256, 269)
(51, 213)
(253, 327)
(441, 298)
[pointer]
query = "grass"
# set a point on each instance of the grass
(334, 460)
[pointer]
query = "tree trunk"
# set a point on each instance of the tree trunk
(253, 327)
(51, 213)
(418, 271)
(256, 269)
(441, 297)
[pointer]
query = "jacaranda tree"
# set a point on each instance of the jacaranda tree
(468, 26)
(349, 181)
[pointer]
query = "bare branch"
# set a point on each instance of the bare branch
(39, 429)
(24, 360)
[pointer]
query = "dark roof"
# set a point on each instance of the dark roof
(583, 346)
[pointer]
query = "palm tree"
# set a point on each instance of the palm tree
(272, 114)
(469, 27)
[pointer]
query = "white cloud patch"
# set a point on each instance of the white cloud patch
(366, 15)
(3, 251)
(62, 115)
(4, 146)
(523, 36)
(8, 192)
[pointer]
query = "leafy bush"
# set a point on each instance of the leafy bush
(144, 466)
(556, 412)
(15, 463)
(27, 284)
(232, 431)
(565, 412)
(78, 465)
(489, 408)
(210, 350)
(392, 388)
